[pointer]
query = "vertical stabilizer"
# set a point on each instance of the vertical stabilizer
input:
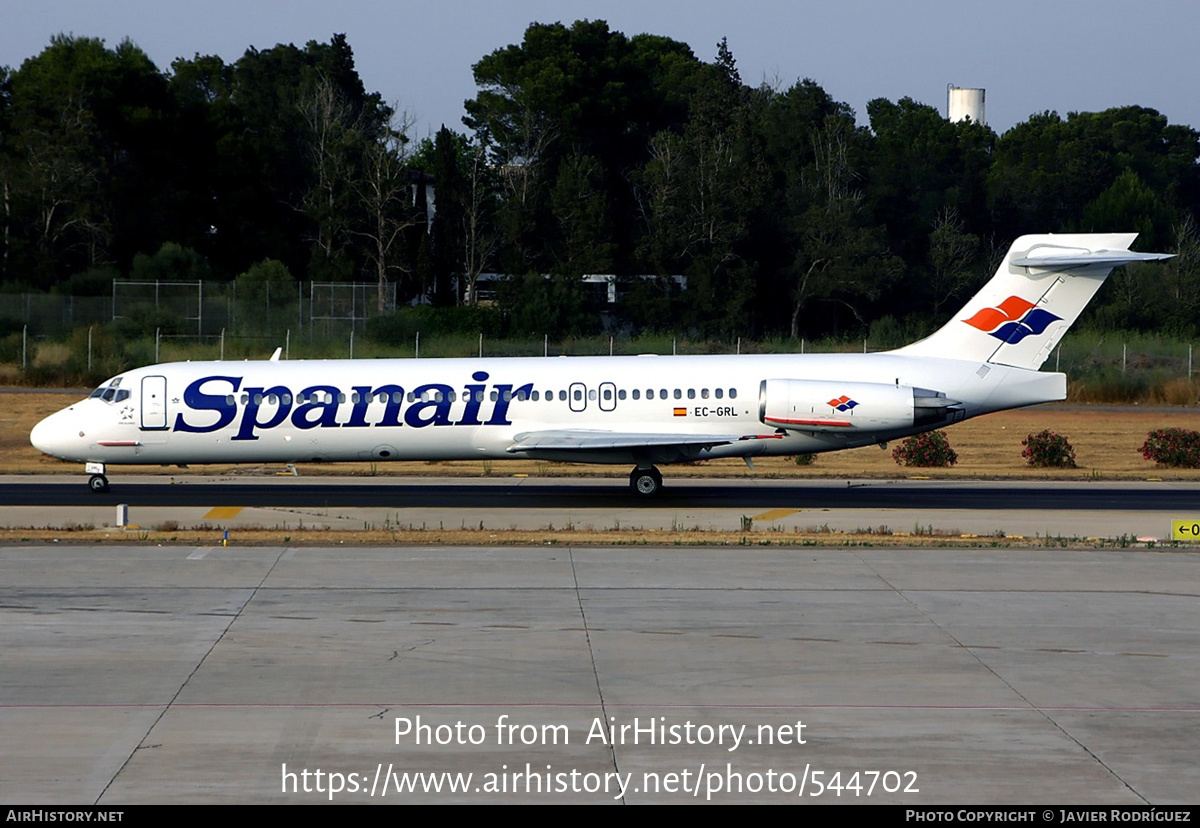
(1038, 292)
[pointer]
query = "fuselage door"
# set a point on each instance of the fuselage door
(608, 396)
(577, 396)
(154, 402)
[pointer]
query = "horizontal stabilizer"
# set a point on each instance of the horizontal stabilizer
(1051, 257)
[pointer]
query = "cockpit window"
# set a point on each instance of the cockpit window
(110, 393)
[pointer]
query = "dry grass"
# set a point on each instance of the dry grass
(551, 537)
(1106, 440)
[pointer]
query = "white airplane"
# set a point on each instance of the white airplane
(634, 410)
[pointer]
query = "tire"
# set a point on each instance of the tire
(98, 483)
(645, 482)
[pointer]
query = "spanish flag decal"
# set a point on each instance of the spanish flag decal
(680, 412)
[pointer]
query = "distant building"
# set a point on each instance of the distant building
(486, 292)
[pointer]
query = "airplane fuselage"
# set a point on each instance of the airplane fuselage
(456, 409)
(643, 410)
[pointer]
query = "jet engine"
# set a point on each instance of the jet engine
(832, 406)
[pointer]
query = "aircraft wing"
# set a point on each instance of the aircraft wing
(586, 440)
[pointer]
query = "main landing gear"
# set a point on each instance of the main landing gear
(645, 482)
(98, 483)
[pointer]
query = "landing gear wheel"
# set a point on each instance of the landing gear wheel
(98, 483)
(645, 482)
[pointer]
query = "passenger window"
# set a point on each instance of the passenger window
(578, 395)
(592, 394)
(678, 394)
(733, 393)
(637, 395)
(287, 399)
(621, 394)
(662, 393)
(341, 398)
(229, 400)
(704, 393)
(691, 393)
(562, 396)
(720, 393)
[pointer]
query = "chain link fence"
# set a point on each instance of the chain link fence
(203, 309)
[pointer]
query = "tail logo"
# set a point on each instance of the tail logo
(842, 403)
(1012, 320)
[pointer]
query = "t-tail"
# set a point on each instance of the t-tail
(1038, 292)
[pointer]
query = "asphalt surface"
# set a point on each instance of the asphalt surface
(523, 494)
(279, 674)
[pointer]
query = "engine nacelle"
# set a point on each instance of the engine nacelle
(832, 406)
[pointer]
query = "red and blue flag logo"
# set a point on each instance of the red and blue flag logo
(1013, 320)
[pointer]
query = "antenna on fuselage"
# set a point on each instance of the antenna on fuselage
(275, 356)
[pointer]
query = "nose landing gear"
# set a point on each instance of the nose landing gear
(98, 483)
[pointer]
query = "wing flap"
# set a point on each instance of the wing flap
(585, 440)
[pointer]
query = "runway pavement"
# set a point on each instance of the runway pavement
(140, 674)
(1050, 508)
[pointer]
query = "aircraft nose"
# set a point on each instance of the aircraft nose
(55, 435)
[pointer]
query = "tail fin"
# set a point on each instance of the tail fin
(1038, 291)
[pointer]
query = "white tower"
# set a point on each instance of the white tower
(964, 103)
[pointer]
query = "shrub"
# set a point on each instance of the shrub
(805, 459)
(1047, 449)
(1179, 447)
(929, 449)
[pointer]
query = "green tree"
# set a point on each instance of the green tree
(171, 263)
(287, 129)
(1129, 205)
(579, 205)
(1180, 278)
(700, 194)
(87, 154)
(266, 294)
(921, 165)
(1047, 170)
(840, 259)
(952, 259)
(579, 90)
